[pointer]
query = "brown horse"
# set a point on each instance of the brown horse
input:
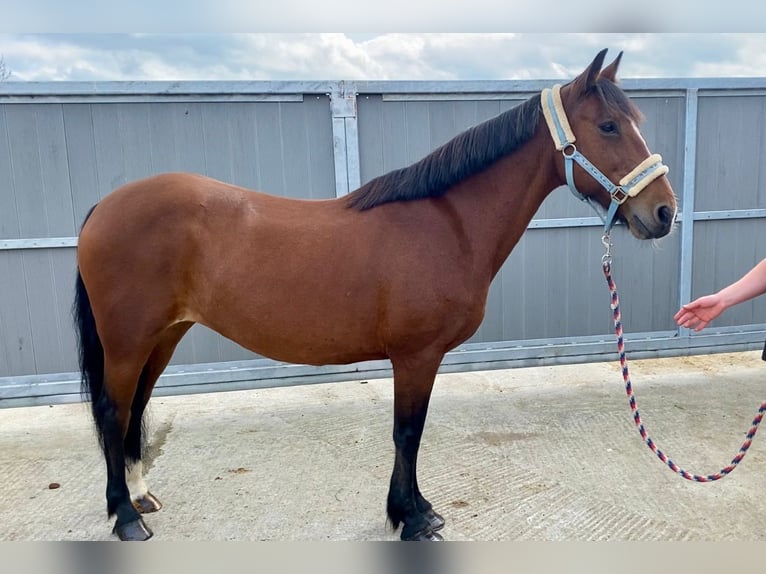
(398, 269)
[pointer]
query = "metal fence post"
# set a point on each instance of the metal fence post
(345, 137)
(687, 194)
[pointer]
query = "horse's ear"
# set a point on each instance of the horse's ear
(584, 81)
(610, 72)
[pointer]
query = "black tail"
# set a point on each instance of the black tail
(90, 350)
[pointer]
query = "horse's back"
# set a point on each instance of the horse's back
(175, 210)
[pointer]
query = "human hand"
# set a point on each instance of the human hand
(700, 312)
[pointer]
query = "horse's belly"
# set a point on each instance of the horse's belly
(305, 340)
(311, 352)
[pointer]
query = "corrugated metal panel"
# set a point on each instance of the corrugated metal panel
(39, 175)
(663, 129)
(731, 166)
(278, 147)
(15, 324)
(37, 292)
(723, 252)
(58, 159)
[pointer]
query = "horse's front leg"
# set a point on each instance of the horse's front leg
(413, 381)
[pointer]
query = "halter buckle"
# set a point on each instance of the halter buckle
(619, 195)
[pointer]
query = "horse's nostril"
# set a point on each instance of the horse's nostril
(665, 215)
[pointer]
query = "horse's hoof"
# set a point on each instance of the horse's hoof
(435, 520)
(136, 531)
(147, 503)
(425, 535)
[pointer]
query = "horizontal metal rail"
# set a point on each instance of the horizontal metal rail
(58, 242)
(651, 86)
(61, 388)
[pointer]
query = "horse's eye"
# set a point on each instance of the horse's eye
(609, 128)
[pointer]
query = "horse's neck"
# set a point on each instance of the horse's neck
(499, 202)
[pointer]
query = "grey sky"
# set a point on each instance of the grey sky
(398, 56)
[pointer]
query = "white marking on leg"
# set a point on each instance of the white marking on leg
(134, 475)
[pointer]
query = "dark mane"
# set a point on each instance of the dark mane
(466, 154)
(472, 151)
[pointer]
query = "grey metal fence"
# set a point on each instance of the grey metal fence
(65, 145)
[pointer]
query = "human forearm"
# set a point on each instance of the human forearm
(752, 284)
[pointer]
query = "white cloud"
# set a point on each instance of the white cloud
(395, 56)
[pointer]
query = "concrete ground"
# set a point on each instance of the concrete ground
(544, 453)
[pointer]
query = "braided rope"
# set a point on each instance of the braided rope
(615, 305)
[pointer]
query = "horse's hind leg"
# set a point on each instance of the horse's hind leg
(413, 382)
(112, 411)
(143, 500)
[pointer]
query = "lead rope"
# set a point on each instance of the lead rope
(606, 264)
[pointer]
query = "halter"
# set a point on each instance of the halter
(629, 186)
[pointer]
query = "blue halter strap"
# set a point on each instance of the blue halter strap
(629, 186)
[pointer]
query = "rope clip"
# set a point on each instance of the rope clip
(606, 241)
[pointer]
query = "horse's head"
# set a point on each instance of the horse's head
(609, 163)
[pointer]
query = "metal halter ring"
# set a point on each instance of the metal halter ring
(619, 195)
